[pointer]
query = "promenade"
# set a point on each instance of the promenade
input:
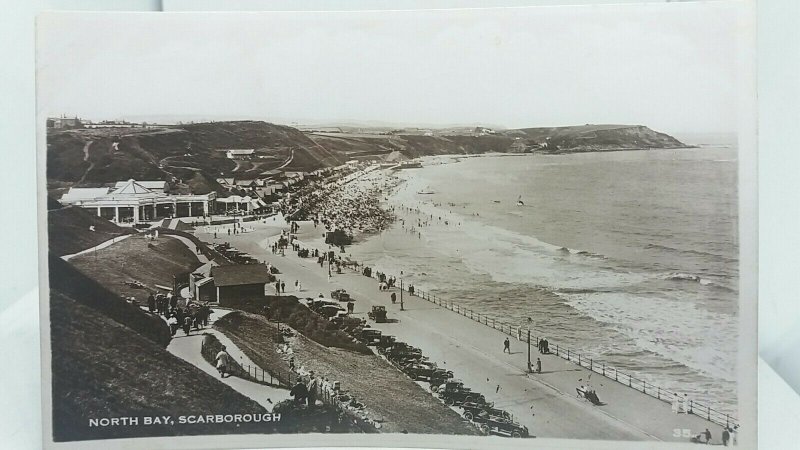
(546, 403)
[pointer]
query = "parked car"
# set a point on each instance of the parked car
(482, 412)
(378, 314)
(457, 397)
(504, 427)
(370, 336)
(341, 295)
(424, 370)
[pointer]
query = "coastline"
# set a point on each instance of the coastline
(472, 351)
(654, 366)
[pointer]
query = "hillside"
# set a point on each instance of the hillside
(190, 155)
(68, 229)
(135, 258)
(97, 156)
(101, 368)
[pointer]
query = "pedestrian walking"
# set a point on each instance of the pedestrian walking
(707, 434)
(187, 324)
(223, 362)
(394, 298)
(507, 346)
(538, 365)
(726, 435)
(283, 287)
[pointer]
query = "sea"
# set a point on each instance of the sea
(629, 257)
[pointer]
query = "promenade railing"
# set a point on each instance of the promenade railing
(520, 333)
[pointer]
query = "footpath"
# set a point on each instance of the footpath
(546, 403)
(188, 349)
(103, 245)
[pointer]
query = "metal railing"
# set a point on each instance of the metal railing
(249, 372)
(520, 333)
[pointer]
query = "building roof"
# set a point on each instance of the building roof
(130, 187)
(240, 274)
(205, 269)
(151, 185)
(76, 194)
(271, 172)
(240, 151)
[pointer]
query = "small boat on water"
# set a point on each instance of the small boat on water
(496, 201)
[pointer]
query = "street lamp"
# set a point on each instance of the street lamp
(401, 295)
(529, 345)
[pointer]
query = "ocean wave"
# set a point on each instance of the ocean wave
(677, 276)
(650, 323)
(689, 252)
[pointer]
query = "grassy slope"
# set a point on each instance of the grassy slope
(69, 233)
(135, 258)
(380, 386)
(70, 281)
(102, 368)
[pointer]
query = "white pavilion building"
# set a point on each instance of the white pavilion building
(131, 202)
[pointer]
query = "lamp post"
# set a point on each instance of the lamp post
(529, 344)
(401, 295)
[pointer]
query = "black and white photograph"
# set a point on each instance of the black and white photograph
(465, 228)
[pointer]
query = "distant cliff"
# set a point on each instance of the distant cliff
(593, 138)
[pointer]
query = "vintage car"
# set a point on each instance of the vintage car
(370, 336)
(378, 314)
(457, 397)
(504, 427)
(424, 370)
(348, 323)
(401, 351)
(341, 295)
(386, 342)
(482, 412)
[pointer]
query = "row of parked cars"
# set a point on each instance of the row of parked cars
(452, 392)
(412, 362)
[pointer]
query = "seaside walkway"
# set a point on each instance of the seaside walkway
(188, 349)
(545, 402)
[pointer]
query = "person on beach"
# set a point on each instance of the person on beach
(222, 361)
(507, 346)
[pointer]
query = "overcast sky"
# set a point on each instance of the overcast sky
(668, 66)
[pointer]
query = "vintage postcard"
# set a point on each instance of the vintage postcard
(465, 228)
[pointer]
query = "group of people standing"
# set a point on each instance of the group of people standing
(192, 315)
